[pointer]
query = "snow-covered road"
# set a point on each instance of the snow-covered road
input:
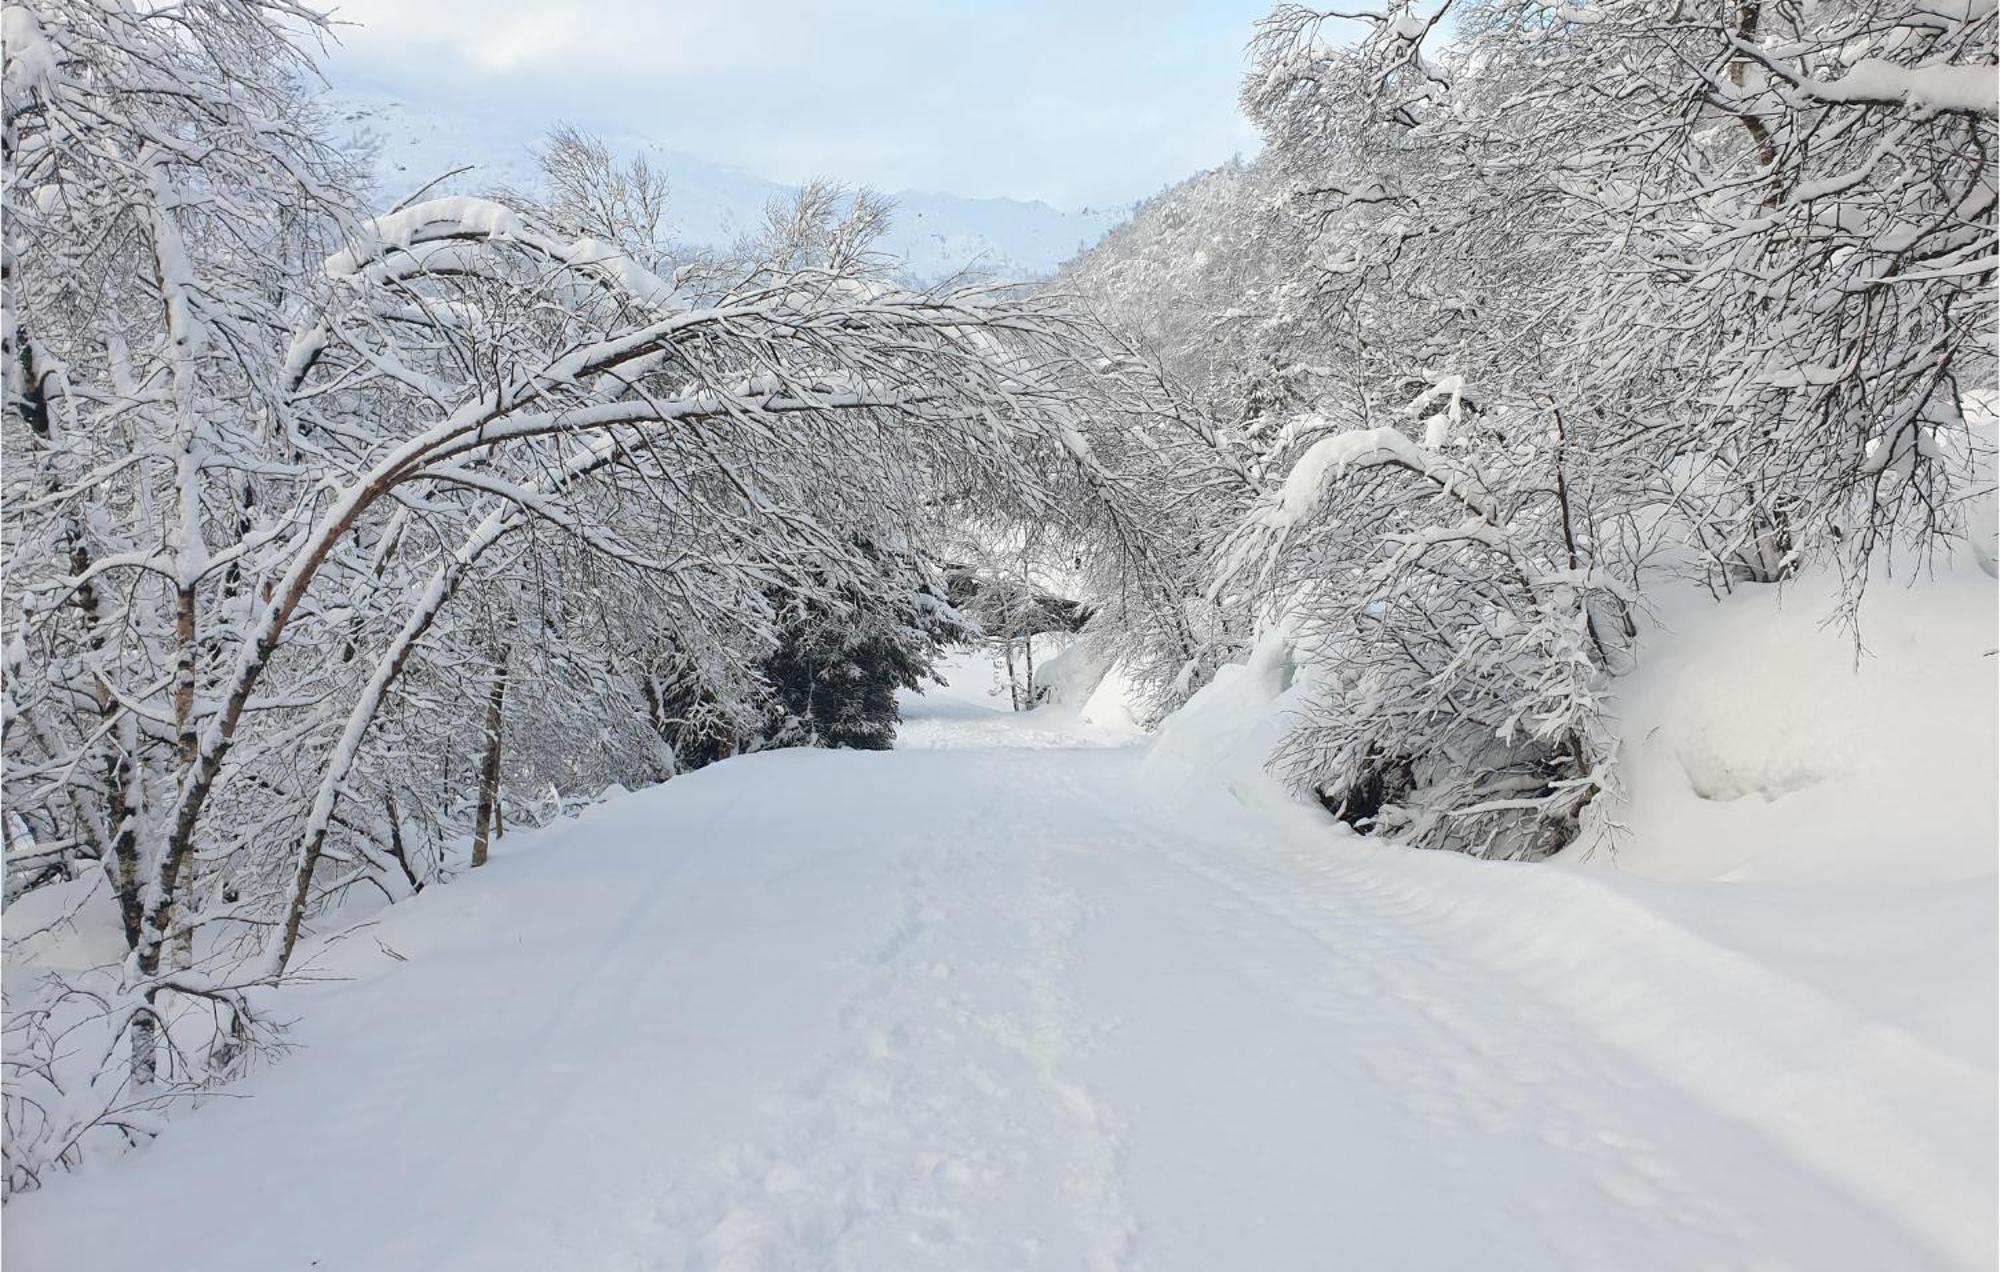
(1005, 1000)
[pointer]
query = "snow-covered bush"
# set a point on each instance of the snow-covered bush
(1459, 638)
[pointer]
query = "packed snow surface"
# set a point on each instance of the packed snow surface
(1017, 996)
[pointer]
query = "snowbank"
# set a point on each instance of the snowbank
(1796, 922)
(1073, 672)
(1113, 704)
(1758, 741)
(1761, 745)
(1232, 725)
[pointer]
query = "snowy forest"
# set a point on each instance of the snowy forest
(354, 535)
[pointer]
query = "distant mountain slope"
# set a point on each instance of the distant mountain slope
(935, 234)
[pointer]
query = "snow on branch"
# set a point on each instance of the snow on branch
(396, 243)
(1939, 88)
(1330, 459)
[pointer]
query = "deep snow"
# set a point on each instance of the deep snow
(1016, 996)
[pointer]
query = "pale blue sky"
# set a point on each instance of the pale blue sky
(1086, 102)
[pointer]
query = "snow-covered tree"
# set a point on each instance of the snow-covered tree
(1522, 302)
(316, 520)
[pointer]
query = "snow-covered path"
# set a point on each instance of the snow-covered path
(1003, 1000)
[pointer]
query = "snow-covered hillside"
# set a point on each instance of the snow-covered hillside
(711, 203)
(1022, 994)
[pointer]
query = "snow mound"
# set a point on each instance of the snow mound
(1228, 731)
(1113, 703)
(1760, 744)
(1759, 723)
(1794, 916)
(1074, 671)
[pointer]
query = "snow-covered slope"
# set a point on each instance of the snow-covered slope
(711, 204)
(1761, 744)
(1791, 908)
(1019, 999)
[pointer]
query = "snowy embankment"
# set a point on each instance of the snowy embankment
(1017, 997)
(1791, 914)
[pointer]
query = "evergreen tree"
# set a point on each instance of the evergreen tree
(836, 671)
